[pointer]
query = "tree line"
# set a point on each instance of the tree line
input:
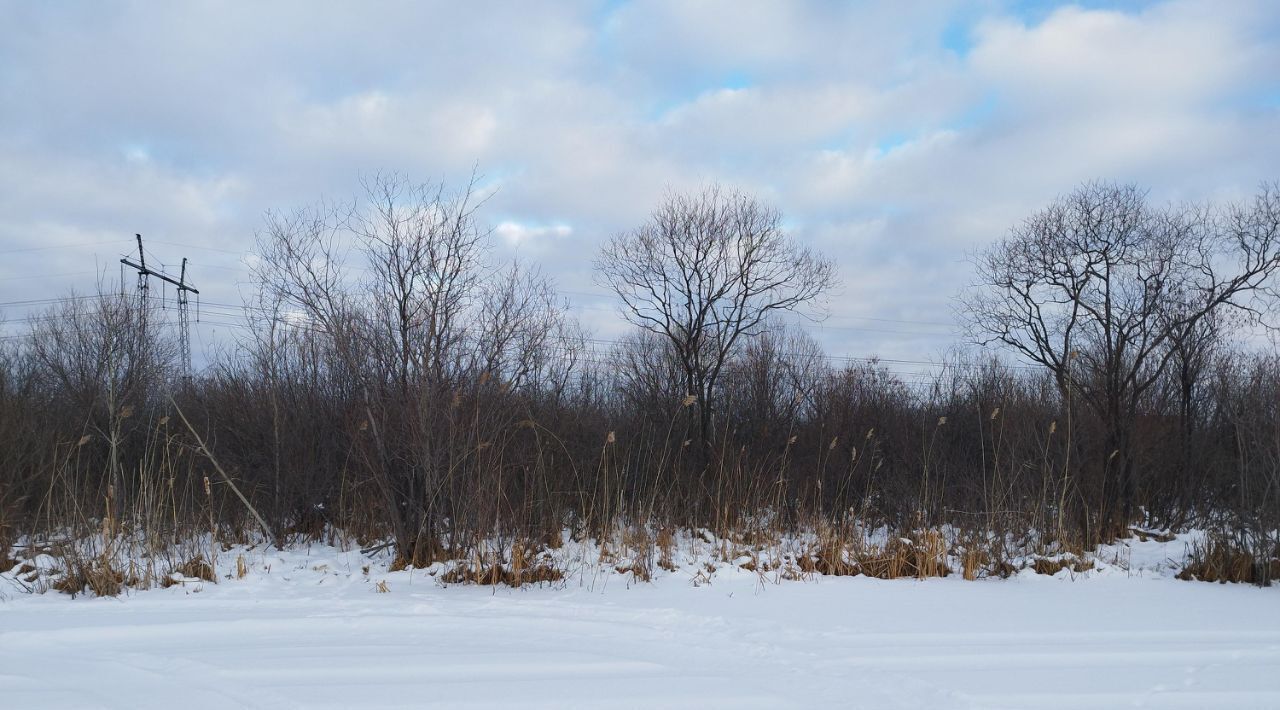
(396, 383)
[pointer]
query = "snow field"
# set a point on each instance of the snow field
(307, 628)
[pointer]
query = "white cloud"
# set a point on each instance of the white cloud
(517, 235)
(887, 148)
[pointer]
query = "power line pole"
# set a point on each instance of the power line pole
(184, 322)
(184, 289)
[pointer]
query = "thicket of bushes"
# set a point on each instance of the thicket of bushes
(432, 400)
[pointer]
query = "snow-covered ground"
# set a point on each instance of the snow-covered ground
(309, 628)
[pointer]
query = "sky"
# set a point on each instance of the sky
(897, 138)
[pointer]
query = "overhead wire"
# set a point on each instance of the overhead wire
(213, 308)
(241, 309)
(64, 246)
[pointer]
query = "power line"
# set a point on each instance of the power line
(601, 295)
(612, 343)
(822, 325)
(65, 246)
(602, 341)
(242, 307)
(46, 276)
(589, 294)
(915, 378)
(270, 315)
(241, 252)
(48, 301)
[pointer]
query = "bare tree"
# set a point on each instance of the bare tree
(523, 333)
(646, 374)
(424, 251)
(438, 342)
(772, 382)
(398, 330)
(100, 354)
(706, 271)
(1100, 287)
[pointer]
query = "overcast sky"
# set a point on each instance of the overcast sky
(897, 137)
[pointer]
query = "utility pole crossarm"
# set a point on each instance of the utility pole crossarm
(141, 268)
(144, 273)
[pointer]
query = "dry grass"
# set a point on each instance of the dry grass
(919, 554)
(638, 545)
(194, 568)
(97, 574)
(525, 566)
(1145, 535)
(107, 566)
(7, 561)
(830, 555)
(845, 551)
(666, 541)
(200, 569)
(1233, 558)
(1053, 565)
(972, 561)
(638, 572)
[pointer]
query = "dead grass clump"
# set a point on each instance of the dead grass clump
(197, 567)
(806, 563)
(554, 539)
(97, 574)
(526, 566)
(192, 569)
(543, 573)
(887, 562)
(929, 554)
(666, 542)
(638, 571)
(754, 536)
(423, 552)
(1145, 535)
(1232, 558)
(639, 545)
(495, 574)
(796, 570)
(7, 560)
(829, 556)
(972, 561)
(1002, 568)
(981, 555)
(1047, 566)
(921, 554)
(1053, 565)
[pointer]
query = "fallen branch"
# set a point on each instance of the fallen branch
(205, 450)
(376, 548)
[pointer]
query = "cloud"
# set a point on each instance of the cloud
(896, 137)
(1178, 55)
(517, 235)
